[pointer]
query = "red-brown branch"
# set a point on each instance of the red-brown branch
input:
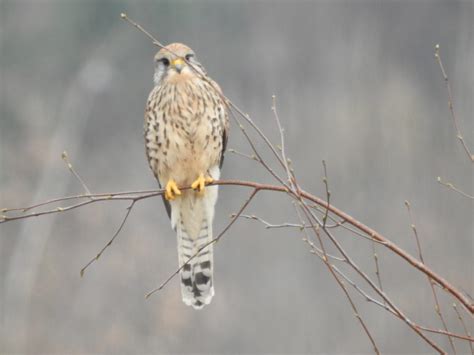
(323, 203)
(369, 231)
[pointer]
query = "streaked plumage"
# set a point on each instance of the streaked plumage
(186, 126)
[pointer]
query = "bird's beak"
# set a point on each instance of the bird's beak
(178, 64)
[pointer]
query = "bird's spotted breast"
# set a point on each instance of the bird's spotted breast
(184, 132)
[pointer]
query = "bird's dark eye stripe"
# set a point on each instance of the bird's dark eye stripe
(189, 56)
(165, 61)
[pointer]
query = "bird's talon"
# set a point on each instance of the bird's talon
(171, 190)
(200, 183)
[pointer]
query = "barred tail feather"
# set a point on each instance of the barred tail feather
(197, 287)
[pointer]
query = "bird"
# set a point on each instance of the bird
(186, 130)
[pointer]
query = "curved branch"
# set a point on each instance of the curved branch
(250, 184)
(374, 234)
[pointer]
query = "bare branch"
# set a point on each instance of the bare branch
(269, 225)
(124, 16)
(301, 227)
(388, 309)
(284, 159)
(372, 284)
(250, 157)
(376, 262)
(342, 215)
(468, 334)
(92, 198)
(365, 294)
(324, 257)
(451, 105)
(342, 223)
(435, 296)
(129, 209)
(328, 194)
(65, 157)
(452, 187)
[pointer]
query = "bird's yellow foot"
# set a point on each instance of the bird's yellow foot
(201, 182)
(171, 190)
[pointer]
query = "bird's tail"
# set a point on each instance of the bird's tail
(194, 235)
(196, 276)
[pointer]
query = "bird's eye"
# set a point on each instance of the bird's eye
(165, 61)
(189, 56)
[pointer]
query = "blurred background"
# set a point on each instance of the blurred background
(356, 84)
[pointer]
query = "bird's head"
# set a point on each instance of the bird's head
(176, 61)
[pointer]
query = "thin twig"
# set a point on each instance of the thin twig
(285, 160)
(269, 225)
(325, 217)
(250, 157)
(461, 320)
(92, 198)
(255, 151)
(444, 332)
(94, 259)
(140, 28)
(452, 187)
(301, 227)
(365, 294)
(376, 262)
(258, 130)
(342, 223)
(5, 218)
(65, 157)
(451, 105)
(435, 296)
(328, 193)
(106, 195)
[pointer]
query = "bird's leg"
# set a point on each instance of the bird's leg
(201, 182)
(171, 190)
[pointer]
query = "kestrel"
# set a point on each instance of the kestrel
(186, 126)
